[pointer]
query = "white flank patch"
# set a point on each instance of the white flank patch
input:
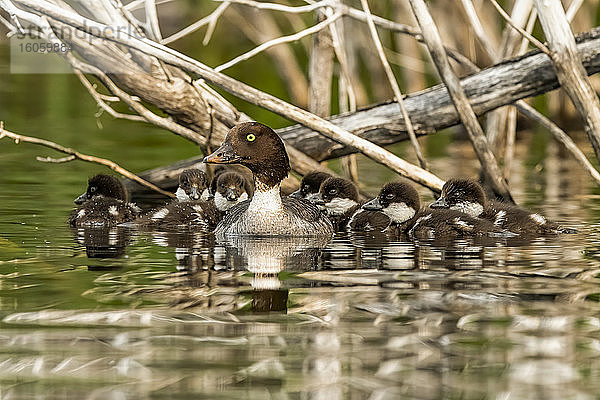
(417, 222)
(224, 205)
(160, 214)
(181, 195)
(112, 210)
(462, 224)
(338, 206)
(538, 219)
(81, 213)
(500, 218)
(469, 208)
(198, 208)
(205, 195)
(268, 200)
(400, 212)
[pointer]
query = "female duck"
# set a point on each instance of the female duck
(467, 195)
(258, 147)
(104, 203)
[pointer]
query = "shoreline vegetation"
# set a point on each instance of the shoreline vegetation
(373, 70)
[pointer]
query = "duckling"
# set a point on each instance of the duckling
(310, 185)
(188, 210)
(258, 147)
(231, 188)
(401, 203)
(339, 198)
(193, 185)
(104, 203)
(467, 195)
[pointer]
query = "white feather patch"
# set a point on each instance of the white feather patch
(198, 208)
(338, 206)
(160, 214)
(265, 200)
(112, 210)
(400, 212)
(538, 219)
(417, 222)
(469, 208)
(205, 195)
(81, 213)
(224, 205)
(181, 195)
(500, 218)
(462, 224)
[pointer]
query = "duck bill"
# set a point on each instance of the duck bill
(223, 155)
(82, 199)
(231, 195)
(317, 199)
(194, 193)
(440, 203)
(373, 205)
(297, 194)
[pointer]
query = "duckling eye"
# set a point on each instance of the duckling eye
(332, 191)
(93, 189)
(250, 137)
(389, 196)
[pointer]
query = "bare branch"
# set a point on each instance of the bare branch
(274, 42)
(212, 23)
(486, 158)
(84, 157)
(101, 101)
(526, 34)
(56, 160)
(196, 25)
(152, 20)
(392, 79)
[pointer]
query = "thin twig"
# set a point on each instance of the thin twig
(84, 157)
(56, 160)
(526, 34)
(152, 20)
(196, 25)
(573, 8)
(392, 80)
(213, 22)
(102, 104)
(280, 40)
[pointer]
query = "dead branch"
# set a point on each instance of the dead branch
(569, 70)
(459, 98)
(74, 154)
(240, 89)
(393, 84)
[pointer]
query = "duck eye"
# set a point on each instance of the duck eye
(93, 189)
(389, 196)
(250, 137)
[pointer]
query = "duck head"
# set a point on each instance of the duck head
(462, 194)
(257, 147)
(337, 195)
(103, 185)
(192, 184)
(310, 185)
(398, 200)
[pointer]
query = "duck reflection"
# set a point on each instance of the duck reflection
(266, 257)
(103, 242)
